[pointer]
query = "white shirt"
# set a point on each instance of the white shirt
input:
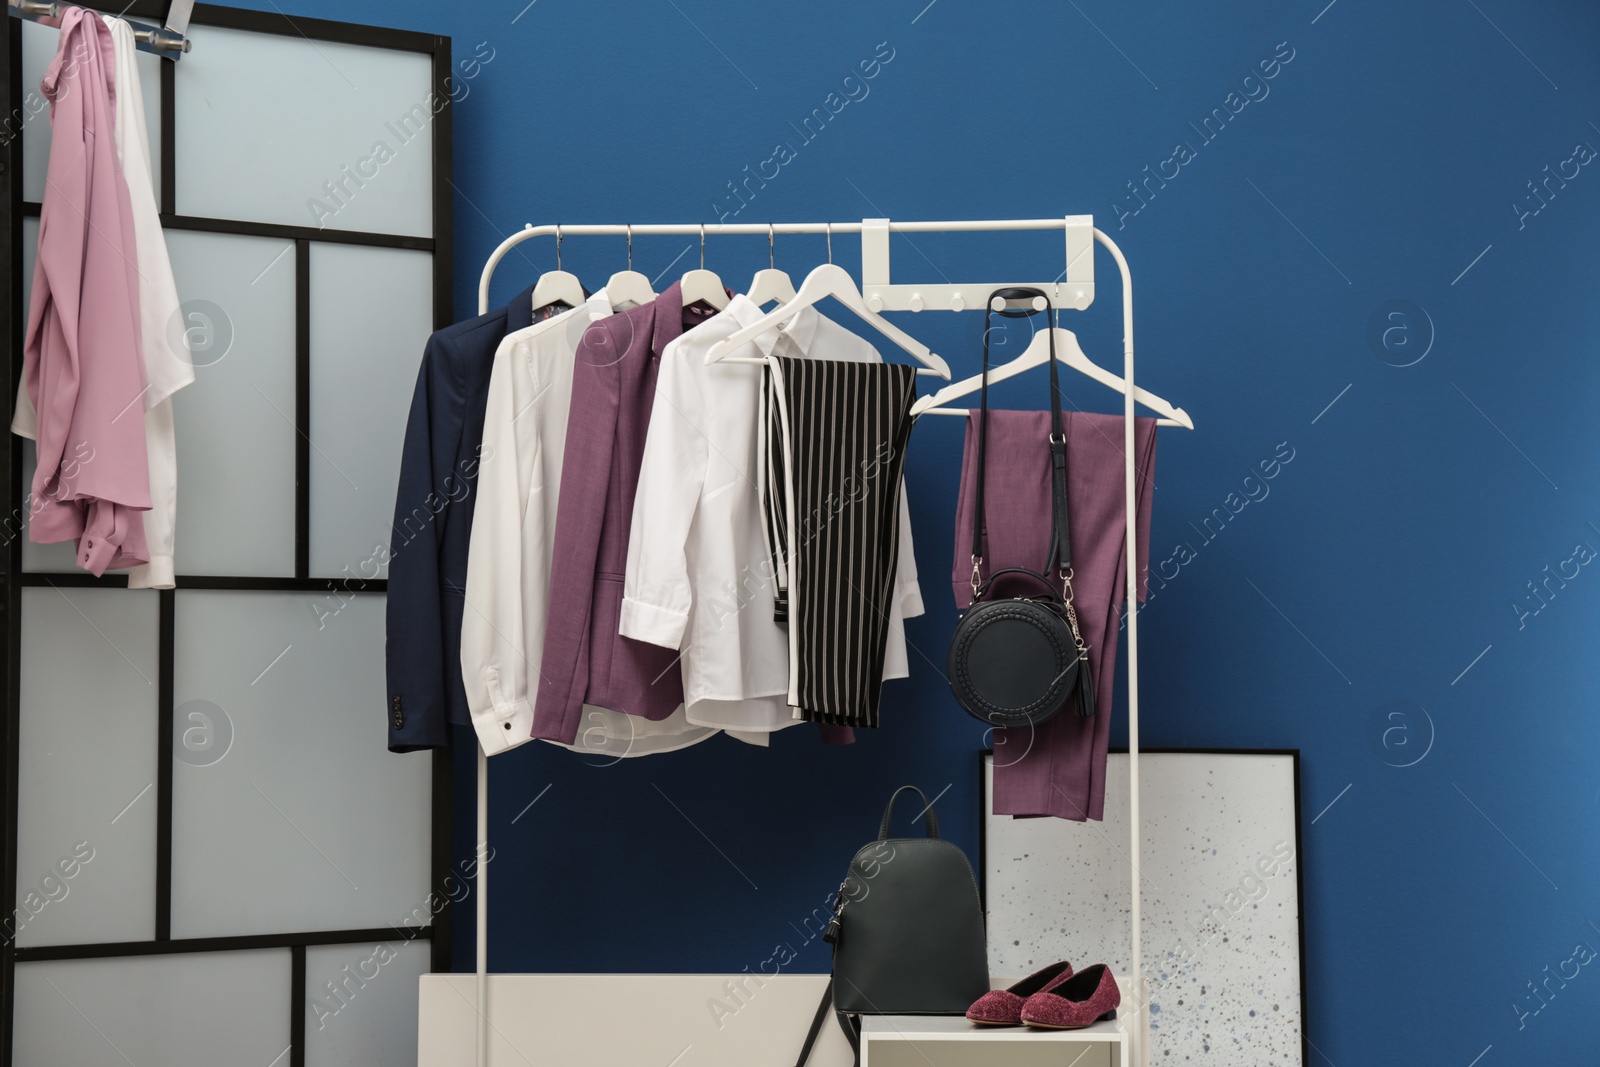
(699, 574)
(508, 558)
(166, 352)
(163, 341)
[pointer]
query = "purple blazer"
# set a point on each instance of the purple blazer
(1059, 767)
(585, 659)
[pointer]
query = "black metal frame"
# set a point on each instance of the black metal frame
(12, 483)
(1299, 851)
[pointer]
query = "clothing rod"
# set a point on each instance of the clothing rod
(159, 40)
(1140, 1030)
(723, 229)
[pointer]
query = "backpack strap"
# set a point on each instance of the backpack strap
(849, 1024)
(816, 1024)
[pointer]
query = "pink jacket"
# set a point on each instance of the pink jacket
(82, 365)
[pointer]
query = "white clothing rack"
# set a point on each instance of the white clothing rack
(1074, 289)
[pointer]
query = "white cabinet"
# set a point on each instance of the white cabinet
(944, 1041)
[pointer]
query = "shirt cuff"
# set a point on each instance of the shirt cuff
(96, 554)
(157, 574)
(655, 625)
(503, 729)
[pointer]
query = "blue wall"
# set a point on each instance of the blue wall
(1386, 571)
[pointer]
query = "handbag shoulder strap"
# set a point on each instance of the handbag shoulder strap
(1060, 539)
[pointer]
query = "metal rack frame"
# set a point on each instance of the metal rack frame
(1075, 291)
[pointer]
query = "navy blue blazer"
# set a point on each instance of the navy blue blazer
(432, 526)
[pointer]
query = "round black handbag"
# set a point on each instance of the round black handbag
(1015, 660)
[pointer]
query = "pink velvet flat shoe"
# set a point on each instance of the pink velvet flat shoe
(1086, 997)
(1003, 1007)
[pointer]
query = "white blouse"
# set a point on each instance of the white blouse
(699, 575)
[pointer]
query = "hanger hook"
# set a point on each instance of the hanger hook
(559, 239)
(702, 246)
(630, 246)
(830, 242)
(772, 255)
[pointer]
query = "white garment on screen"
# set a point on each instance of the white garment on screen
(699, 574)
(164, 341)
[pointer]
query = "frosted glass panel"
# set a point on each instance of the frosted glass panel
(235, 424)
(86, 814)
(361, 1002)
(38, 48)
(345, 143)
(61, 556)
(371, 312)
(294, 817)
(186, 1010)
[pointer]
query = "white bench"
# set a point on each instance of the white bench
(715, 1020)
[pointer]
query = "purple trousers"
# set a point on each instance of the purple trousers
(1058, 767)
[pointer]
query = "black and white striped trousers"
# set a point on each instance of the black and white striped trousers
(833, 440)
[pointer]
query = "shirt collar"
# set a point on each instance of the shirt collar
(801, 329)
(742, 312)
(667, 311)
(598, 305)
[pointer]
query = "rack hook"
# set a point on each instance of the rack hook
(630, 246)
(702, 246)
(559, 239)
(772, 256)
(830, 241)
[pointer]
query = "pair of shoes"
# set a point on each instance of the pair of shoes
(1003, 1007)
(1056, 998)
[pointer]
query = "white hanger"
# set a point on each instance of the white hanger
(771, 283)
(827, 280)
(557, 286)
(629, 286)
(704, 285)
(1037, 354)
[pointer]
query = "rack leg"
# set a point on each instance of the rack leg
(482, 866)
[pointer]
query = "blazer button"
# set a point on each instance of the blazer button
(399, 718)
